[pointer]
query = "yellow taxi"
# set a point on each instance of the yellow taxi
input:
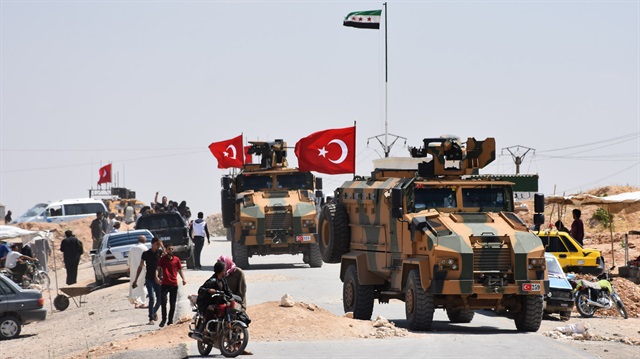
(571, 255)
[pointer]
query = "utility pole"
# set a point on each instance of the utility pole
(517, 159)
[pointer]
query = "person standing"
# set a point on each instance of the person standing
(197, 232)
(137, 294)
(168, 268)
(4, 250)
(129, 213)
(151, 281)
(7, 218)
(111, 220)
(72, 249)
(96, 230)
(235, 278)
(577, 227)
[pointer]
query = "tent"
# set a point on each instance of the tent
(612, 203)
(17, 234)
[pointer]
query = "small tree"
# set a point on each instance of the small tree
(604, 217)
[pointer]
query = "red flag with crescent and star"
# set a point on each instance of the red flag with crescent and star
(105, 174)
(229, 153)
(330, 151)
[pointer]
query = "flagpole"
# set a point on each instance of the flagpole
(386, 81)
(386, 146)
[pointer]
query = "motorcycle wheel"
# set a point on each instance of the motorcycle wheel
(204, 349)
(583, 307)
(233, 340)
(621, 309)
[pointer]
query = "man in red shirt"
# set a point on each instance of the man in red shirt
(168, 268)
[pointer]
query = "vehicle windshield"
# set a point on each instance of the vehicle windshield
(434, 198)
(163, 221)
(553, 267)
(487, 199)
(255, 183)
(35, 211)
(294, 181)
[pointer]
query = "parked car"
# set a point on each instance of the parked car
(559, 299)
(110, 261)
(63, 211)
(571, 255)
(18, 307)
(170, 227)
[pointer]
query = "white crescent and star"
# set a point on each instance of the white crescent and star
(104, 173)
(233, 150)
(343, 149)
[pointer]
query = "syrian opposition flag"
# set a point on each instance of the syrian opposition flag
(229, 153)
(329, 151)
(105, 174)
(363, 19)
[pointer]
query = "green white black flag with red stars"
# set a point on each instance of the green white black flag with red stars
(363, 19)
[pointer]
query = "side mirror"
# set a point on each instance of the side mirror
(396, 203)
(319, 194)
(538, 203)
(538, 219)
(226, 182)
(318, 183)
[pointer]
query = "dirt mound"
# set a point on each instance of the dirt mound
(308, 322)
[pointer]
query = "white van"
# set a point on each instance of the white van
(63, 211)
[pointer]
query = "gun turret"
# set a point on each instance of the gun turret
(273, 154)
(452, 158)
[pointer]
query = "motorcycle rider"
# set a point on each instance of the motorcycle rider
(15, 262)
(217, 283)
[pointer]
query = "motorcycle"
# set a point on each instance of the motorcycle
(227, 331)
(593, 295)
(33, 275)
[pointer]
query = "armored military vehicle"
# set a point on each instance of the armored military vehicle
(269, 208)
(426, 234)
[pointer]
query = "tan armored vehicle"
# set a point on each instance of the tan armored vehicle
(269, 208)
(434, 239)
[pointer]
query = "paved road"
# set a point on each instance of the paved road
(486, 336)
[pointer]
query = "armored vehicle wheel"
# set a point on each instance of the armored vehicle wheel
(357, 298)
(315, 258)
(240, 254)
(460, 315)
(530, 317)
(419, 305)
(333, 231)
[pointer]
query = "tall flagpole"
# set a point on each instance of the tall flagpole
(386, 147)
(386, 81)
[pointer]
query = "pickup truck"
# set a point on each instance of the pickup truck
(571, 255)
(170, 227)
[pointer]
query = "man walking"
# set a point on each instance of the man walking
(137, 293)
(151, 281)
(96, 230)
(168, 268)
(72, 249)
(196, 232)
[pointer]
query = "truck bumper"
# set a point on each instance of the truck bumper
(468, 287)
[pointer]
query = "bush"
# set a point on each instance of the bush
(603, 216)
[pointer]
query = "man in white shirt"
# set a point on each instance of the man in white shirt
(15, 262)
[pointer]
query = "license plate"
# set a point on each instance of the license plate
(530, 287)
(303, 238)
(165, 238)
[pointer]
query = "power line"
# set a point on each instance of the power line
(624, 138)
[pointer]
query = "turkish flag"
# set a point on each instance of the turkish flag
(329, 151)
(248, 158)
(105, 174)
(229, 153)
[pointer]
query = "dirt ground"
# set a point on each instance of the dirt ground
(107, 324)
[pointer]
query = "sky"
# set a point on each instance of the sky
(148, 85)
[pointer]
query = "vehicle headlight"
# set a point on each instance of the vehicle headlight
(248, 225)
(448, 263)
(308, 223)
